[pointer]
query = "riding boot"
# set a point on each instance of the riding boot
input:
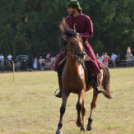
(96, 80)
(59, 95)
(59, 71)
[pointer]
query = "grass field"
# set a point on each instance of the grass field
(28, 105)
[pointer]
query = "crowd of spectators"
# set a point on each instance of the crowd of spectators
(26, 62)
(49, 63)
(104, 58)
(42, 64)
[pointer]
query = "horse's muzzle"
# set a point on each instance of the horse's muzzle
(81, 55)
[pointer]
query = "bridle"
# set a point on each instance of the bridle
(71, 50)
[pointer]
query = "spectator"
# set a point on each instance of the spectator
(35, 65)
(43, 65)
(1, 58)
(129, 57)
(102, 58)
(48, 57)
(49, 65)
(97, 56)
(106, 58)
(9, 57)
(53, 64)
(41, 61)
(113, 59)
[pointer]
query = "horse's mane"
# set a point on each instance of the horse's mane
(67, 33)
(66, 30)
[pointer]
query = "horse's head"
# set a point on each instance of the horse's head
(75, 46)
(73, 41)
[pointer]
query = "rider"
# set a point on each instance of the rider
(9, 57)
(83, 25)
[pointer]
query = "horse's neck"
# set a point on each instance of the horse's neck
(71, 63)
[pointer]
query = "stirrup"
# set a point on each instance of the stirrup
(56, 91)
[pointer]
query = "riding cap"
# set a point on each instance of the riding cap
(74, 4)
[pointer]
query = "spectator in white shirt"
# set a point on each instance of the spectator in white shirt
(102, 58)
(9, 57)
(1, 58)
(113, 58)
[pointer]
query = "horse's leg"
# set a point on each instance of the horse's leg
(62, 110)
(93, 105)
(79, 123)
(83, 111)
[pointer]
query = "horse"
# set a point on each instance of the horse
(53, 59)
(17, 66)
(74, 81)
(2, 66)
(8, 65)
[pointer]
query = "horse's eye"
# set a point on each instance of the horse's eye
(81, 41)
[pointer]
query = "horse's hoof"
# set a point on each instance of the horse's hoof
(82, 130)
(78, 123)
(89, 128)
(58, 132)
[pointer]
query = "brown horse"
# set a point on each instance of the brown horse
(8, 65)
(73, 79)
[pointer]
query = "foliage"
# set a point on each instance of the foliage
(31, 26)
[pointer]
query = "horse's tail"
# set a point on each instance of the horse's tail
(106, 82)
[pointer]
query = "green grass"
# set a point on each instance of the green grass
(28, 105)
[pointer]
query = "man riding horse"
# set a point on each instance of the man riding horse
(83, 25)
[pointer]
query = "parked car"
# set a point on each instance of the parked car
(26, 61)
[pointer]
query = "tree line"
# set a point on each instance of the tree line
(31, 26)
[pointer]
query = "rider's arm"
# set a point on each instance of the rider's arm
(89, 30)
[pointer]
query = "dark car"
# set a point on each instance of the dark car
(26, 61)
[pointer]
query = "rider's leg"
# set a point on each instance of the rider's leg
(95, 67)
(96, 82)
(59, 94)
(59, 71)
